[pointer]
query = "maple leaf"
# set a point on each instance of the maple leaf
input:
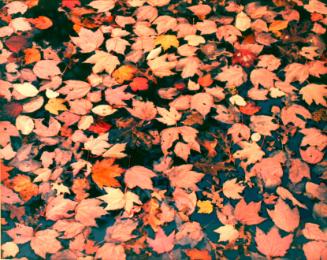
(46, 69)
(59, 207)
(272, 244)
(75, 89)
(248, 213)
(7, 130)
(227, 233)
(291, 115)
(117, 45)
(105, 171)
(9, 196)
(70, 3)
(139, 84)
(183, 177)
(205, 207)
(103, 61)
(167, 41)
(10, 249)
(296, 72)
(182, 150)
(121, 231)
(161, 67)
(116, 199)
(97, 145)
(124, 73)
(23, 185)
(263, 124)
(70, 228)
(116, 151)
(284, 217)
(233, 75)
(162, 243)
(88, 210)
(202, 102)
(21, 234)
(41, 240)
(117, 96)
(139, 176)
(314, 93)
(88, 40)
(250, 151)
(263, 77)
(169, 117)
(55, 105)
(111, 251)
(143, 110)
(189, 233)
(232, 189)
(197, 254)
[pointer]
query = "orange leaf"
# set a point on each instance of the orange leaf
(278, 25)
(124, 73)
(41, 22)
(196, 254)
(4, 169)
(22, 184)
(205, 81)
(104, 173)
(250, 109)
(32, 55)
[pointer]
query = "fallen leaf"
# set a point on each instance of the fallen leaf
(284, 217)
(272, 244)
(88, 210)
(167, 41)
(105, 171)
(247, 213)
(139, 176)
(40, 247)
(232, 189)
(162, 243)
(124, 73)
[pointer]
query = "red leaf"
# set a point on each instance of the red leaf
(100, 127)
(70, 3)
(13, 109)
(139, 83)
(250, 109)
(16, 43)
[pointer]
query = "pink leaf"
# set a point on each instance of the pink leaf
(21, 234)
(59, 207)
(284, 217)
(45, 242)
(248, 213)
(162, 243)
(139, 176)
(272, 244)
(88, 210)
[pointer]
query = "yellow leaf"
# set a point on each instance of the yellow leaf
(278, 26)
(205, 206)
(55, 105)
(124, 73)
(166, 41)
